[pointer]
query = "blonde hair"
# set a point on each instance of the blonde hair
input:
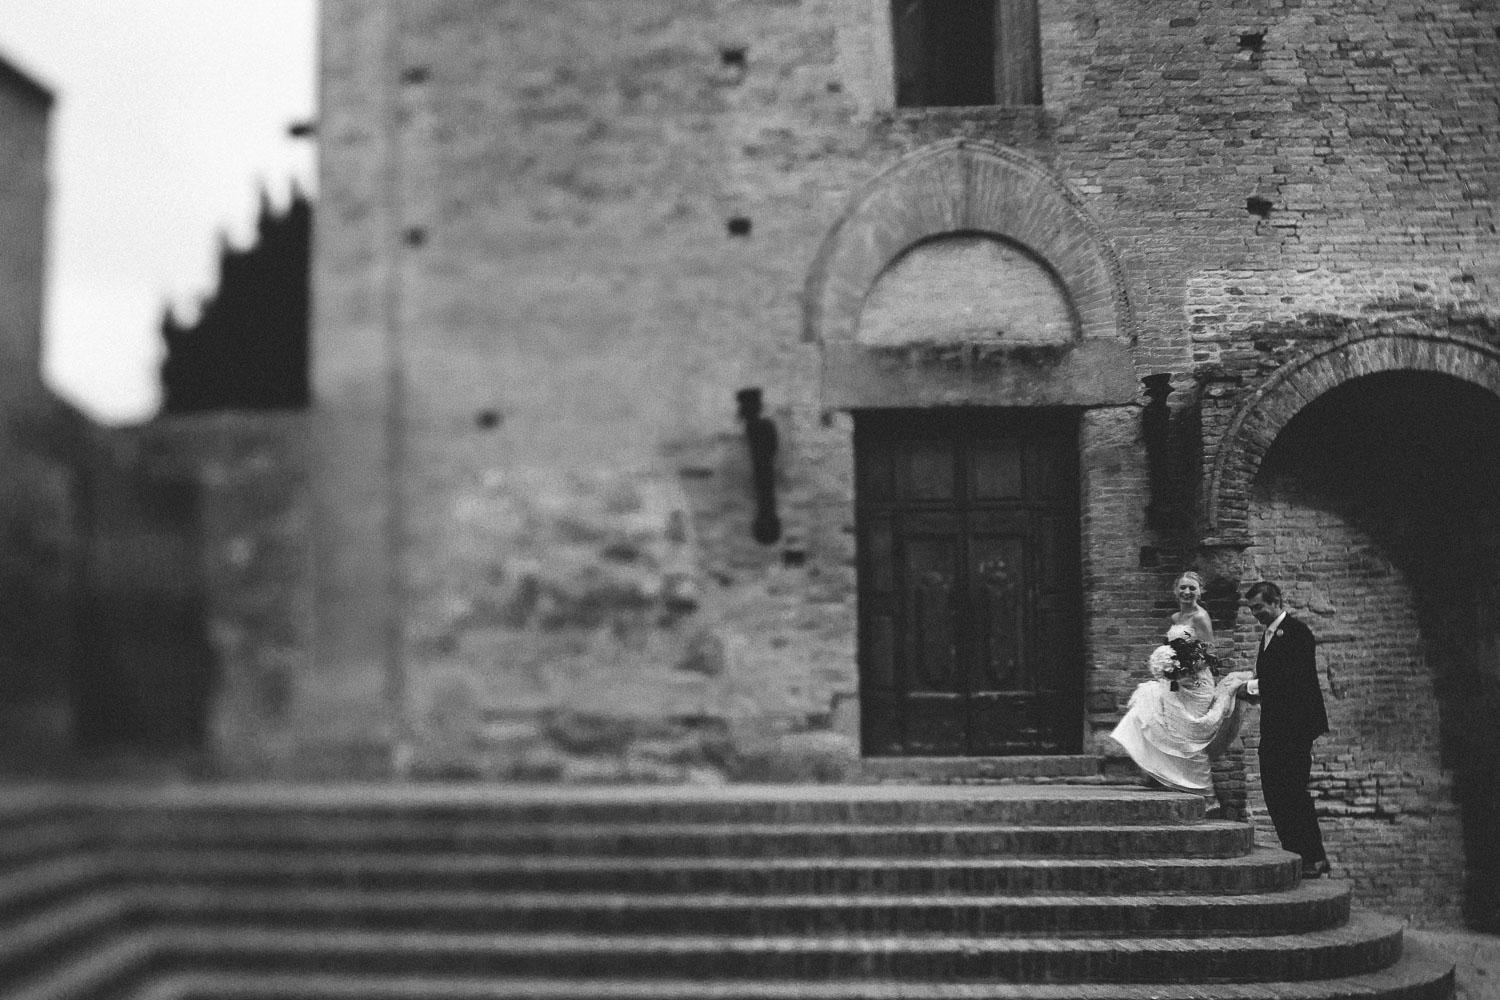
(1189, 575)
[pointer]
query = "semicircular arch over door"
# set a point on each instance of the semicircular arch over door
(957, 199)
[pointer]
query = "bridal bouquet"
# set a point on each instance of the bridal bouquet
(1183, 655)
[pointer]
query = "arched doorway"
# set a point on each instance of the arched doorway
(1374, 506)
(972, 318)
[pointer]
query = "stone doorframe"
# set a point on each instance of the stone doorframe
(964, 187)
(1260, 417)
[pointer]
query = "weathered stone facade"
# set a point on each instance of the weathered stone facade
(25, 112)
(555, 241)
(41, 443)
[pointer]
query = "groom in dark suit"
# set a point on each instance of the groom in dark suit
(1291, 718)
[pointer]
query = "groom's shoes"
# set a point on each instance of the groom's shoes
(1315, 869)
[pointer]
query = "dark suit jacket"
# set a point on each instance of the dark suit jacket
(1291, 703)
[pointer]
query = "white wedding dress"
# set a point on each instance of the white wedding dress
(1173, 735)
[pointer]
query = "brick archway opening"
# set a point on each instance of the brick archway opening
(1374, 507)
(1260, 417)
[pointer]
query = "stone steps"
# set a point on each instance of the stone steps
(31, 943)
(40, 882)
(1262, 870)
(1311, 906)
(47, 837)
(1010, 805)
(1414, 977)
(110, 971)
(1062, 892)
(1052, 769)
(744, 840)
(1365, 944)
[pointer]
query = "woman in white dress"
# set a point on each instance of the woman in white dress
(1182, 718)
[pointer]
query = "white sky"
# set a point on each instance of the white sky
(170, 117)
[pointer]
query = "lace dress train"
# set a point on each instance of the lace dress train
(1173, 735)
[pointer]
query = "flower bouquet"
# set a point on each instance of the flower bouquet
(1183, 655)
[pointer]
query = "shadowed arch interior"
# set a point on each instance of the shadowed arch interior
(1380, 495)
(1260, 418)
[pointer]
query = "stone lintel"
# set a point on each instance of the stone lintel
(1085, 373)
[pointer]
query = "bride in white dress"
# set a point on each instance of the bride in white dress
(1182, 718)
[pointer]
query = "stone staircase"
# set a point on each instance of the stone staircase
(957, 892)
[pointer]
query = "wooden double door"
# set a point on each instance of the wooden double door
(969, 582)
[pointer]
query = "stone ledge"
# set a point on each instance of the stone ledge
(1363, 946)
(1087, 373)
(940, 769)
(1409, 979)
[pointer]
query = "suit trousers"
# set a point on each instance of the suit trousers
(1285, 766)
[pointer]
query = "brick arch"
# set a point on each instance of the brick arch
(965, 186)
(1259, 419)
